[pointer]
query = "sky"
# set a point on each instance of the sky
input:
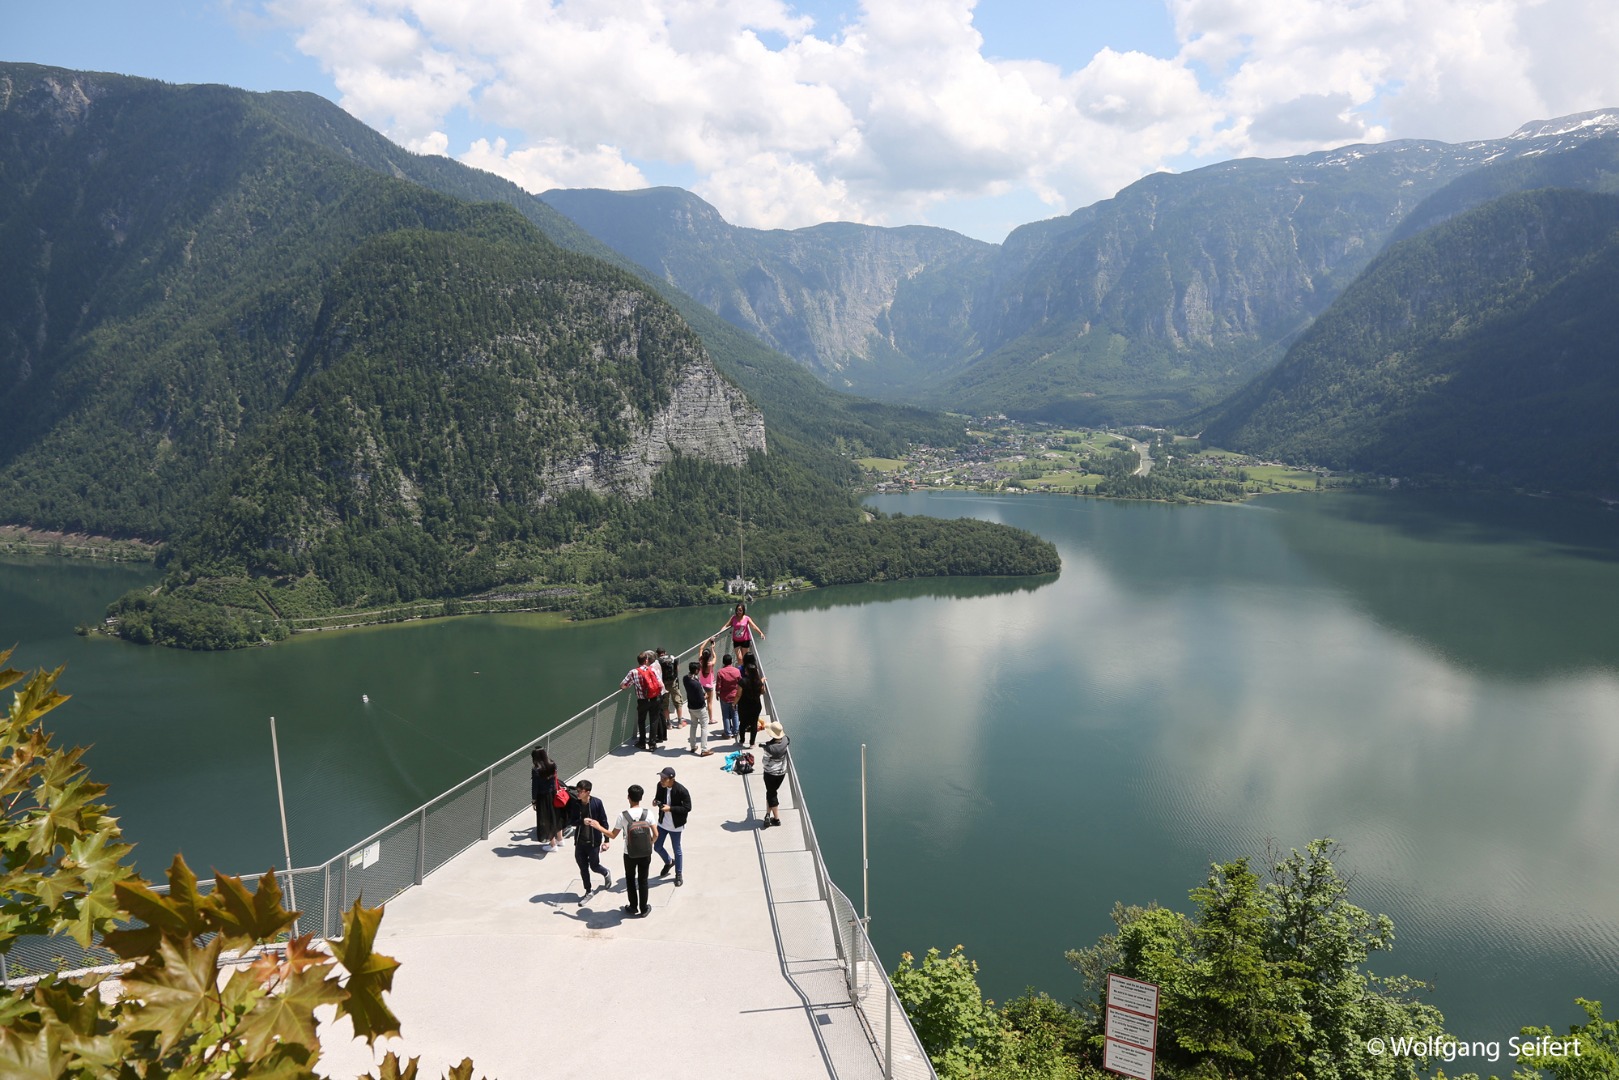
(972, 116)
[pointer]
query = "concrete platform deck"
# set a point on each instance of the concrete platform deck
(500, 961)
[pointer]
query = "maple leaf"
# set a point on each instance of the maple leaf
(36, 1056)
(370, 975)
(287, 1016)
(172, 996)
(243, 916)
(391, 1069)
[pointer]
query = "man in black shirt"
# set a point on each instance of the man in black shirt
(588, 841)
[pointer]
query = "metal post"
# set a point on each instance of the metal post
(488, 801)
(326, 900)
(865, 858)
(590, 748)
(286, 841)
(5, 972)
(342, 889)
(888, 1038)
(421, 844)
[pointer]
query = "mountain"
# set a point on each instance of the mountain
(1479, 348)
(236, 322)
(835, 296)
(1167, 297)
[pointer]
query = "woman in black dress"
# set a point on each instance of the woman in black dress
(548, 819)
(751, 702)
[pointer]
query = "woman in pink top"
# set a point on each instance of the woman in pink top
(742, 630)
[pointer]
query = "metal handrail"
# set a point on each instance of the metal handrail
(482, 773)
(884, 1047)
(335, 869)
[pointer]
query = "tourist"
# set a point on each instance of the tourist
(640, 835)
(727, 686)
(750, 701)
(705, 675)
(644, 682)
(775, 769)
(674, 802)
(590, 828)
(697, 703)
(742, 629)
(674, 704)
(543, 788)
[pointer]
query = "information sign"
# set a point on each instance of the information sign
(1127, 1060)
(1132, 1027)
(1128, 1027)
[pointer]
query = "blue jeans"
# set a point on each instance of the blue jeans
(680, 859)
(728, 715)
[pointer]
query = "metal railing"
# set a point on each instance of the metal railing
(402, 854)
(888, 1027)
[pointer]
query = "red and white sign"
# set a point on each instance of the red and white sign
(1132, 1027)
(1127, 1060)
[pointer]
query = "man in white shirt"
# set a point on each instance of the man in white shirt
(640, 828)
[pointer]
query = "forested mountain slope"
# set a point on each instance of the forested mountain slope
(1482, 347)
(331, 387)
(799, 407)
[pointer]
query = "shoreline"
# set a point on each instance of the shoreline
(24, 540)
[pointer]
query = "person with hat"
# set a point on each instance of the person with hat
(674, 802)
(775, 770)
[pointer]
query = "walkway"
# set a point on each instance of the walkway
(732, 973)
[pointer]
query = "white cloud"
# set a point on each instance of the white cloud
(551, 164)
(900, 109)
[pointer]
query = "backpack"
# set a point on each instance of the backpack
(744, 764)
(651, 684)
(638, 838)
(670, 670)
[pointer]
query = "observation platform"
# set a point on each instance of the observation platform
(746, 968)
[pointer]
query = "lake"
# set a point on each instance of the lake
(1431, 680)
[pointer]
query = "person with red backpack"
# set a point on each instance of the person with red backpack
(646, 684)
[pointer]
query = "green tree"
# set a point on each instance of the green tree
(958, 1028)
(169, 1014)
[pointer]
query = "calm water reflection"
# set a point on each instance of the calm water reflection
(1434, 683)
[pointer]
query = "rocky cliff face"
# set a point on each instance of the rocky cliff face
(826, 295)
(705, 417)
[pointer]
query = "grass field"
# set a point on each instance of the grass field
(1063, 481)
(880, 464)
(1283, 477)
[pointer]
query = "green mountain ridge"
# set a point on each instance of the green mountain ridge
(1157, 302)
(1478, 348)
(329, 386)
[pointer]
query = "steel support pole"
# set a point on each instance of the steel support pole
(865, 857)
(888, 1037)
(286, 841)
(421, 845)
(488, 802)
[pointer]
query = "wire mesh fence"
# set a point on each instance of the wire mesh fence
(402, 854)
(888, 1028)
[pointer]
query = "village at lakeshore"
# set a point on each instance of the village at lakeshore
(1430, 680)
